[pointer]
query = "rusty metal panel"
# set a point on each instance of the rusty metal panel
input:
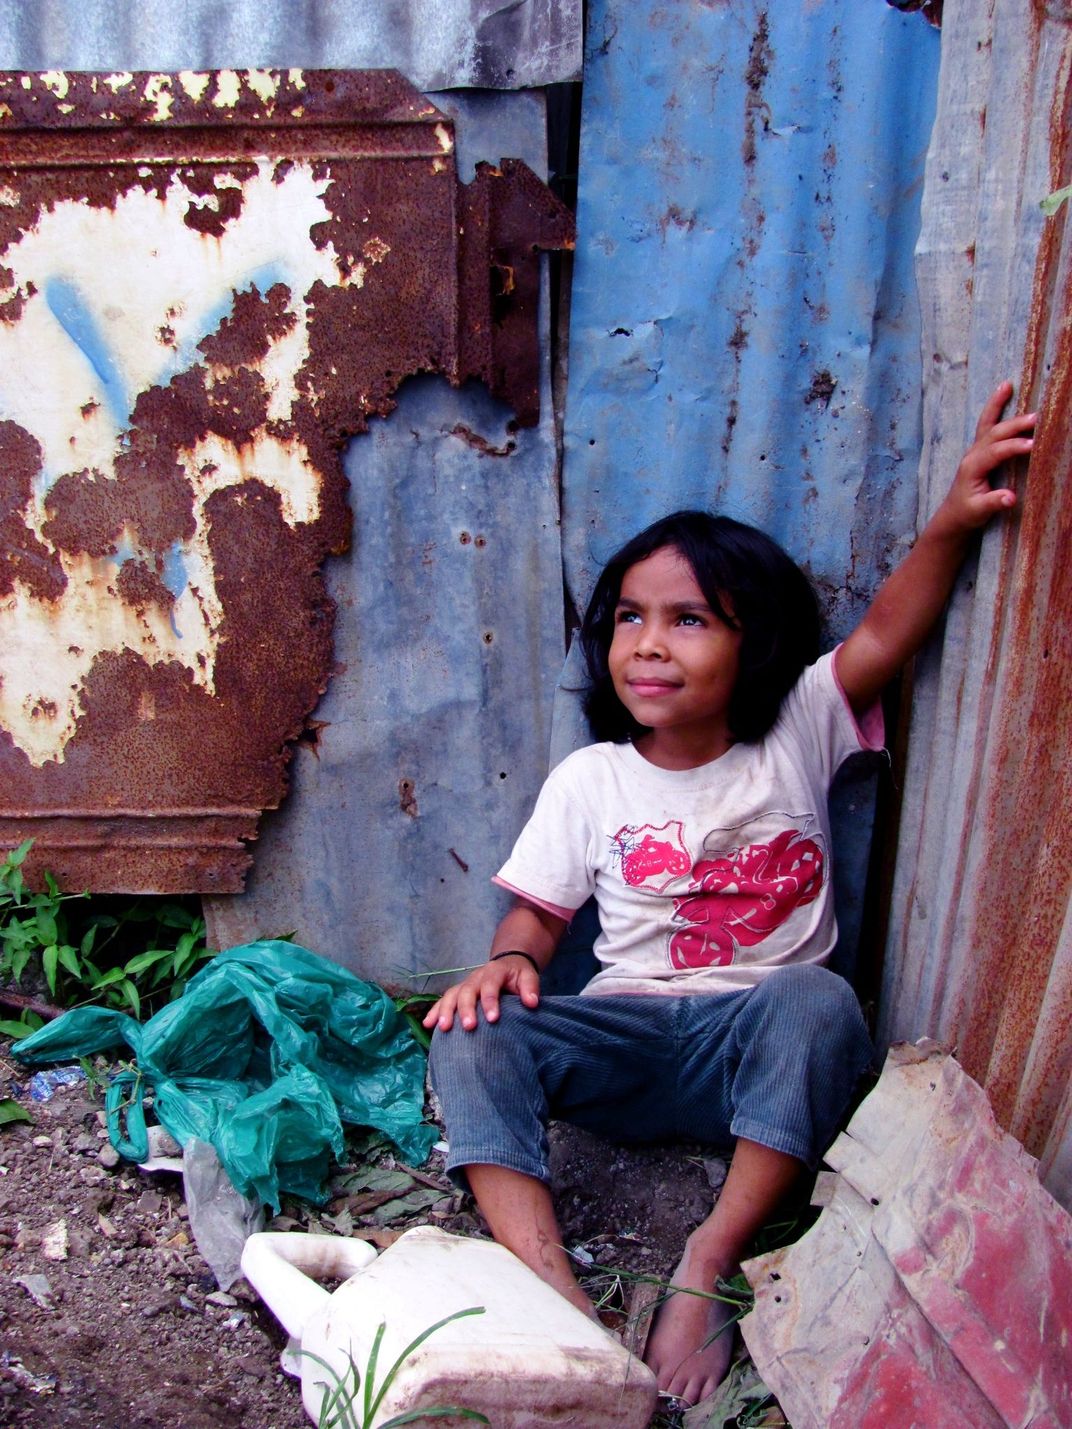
(744, 323)
(208, 282)
(935, 1287)
(432, 737)
(980, 951)
(437, 44)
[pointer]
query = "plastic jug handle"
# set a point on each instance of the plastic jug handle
(280, 1267)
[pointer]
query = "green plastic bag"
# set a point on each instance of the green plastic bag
(267, 1052)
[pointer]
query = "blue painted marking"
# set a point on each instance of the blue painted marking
(176, 578)
(73, 314)
(123, 553)
(187, 355)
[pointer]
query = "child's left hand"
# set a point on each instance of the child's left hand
(911, 599)
(972, 501)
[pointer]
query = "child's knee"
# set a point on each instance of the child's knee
(484, 1057)
(813, 1002)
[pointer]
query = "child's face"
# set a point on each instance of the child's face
(673, 661)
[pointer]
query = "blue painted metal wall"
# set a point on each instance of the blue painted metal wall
(744, 332)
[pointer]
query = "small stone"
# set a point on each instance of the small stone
(79, 1241)
(250, 1365)
(91, 1175)
(38, 1289)
(220, 1297)
(108, 1157)
(188, 1304)
(42, 1141)
(54, 1241)
(85, 1143)
(156, 1306)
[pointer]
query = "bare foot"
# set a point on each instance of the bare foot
(691, 1338)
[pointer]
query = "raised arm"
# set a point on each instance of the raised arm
(527, 930)
(910, 601)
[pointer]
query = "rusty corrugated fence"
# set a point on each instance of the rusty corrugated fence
(980, 950)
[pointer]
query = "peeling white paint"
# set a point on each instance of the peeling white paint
(42, 712)
(73, 393)
(157, 92)
(215, 463)
(296, 77)
(27, 82)
(120, 80)
(194, 82)
(444, 138)
(57, 82)
(263, 83)
(228, 89)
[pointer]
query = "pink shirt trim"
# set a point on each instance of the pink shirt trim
(565, 914)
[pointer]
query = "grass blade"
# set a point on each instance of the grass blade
(389, 1378)
(370, 1375)
(441, 1411)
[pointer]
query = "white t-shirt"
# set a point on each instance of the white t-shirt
(706, 879)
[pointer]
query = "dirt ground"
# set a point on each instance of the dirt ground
(110, 1318)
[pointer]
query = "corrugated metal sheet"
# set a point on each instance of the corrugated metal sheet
(432, 737)
(980, 949)
(936, 1287)
(437, 44)
(210, 281)
(744, 326)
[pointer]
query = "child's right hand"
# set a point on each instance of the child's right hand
(483, 987)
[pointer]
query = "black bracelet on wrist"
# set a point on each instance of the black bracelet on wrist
(515, 953)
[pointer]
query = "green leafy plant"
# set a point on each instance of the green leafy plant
(158, 971)
(11, 1111)
(1053, 201)
(95, 963)
(34, 925)
(22, 1027)
(413, 1006)
(341, 1409)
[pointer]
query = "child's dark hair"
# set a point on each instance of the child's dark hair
(772, 604)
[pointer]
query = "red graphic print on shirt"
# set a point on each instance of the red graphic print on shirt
(652, 857)
(741, 897)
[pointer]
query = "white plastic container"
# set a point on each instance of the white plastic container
(529, 1361)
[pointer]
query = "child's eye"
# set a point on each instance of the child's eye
(687, 619)
(625, 617)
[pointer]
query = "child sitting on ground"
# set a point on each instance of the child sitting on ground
(701, 826)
